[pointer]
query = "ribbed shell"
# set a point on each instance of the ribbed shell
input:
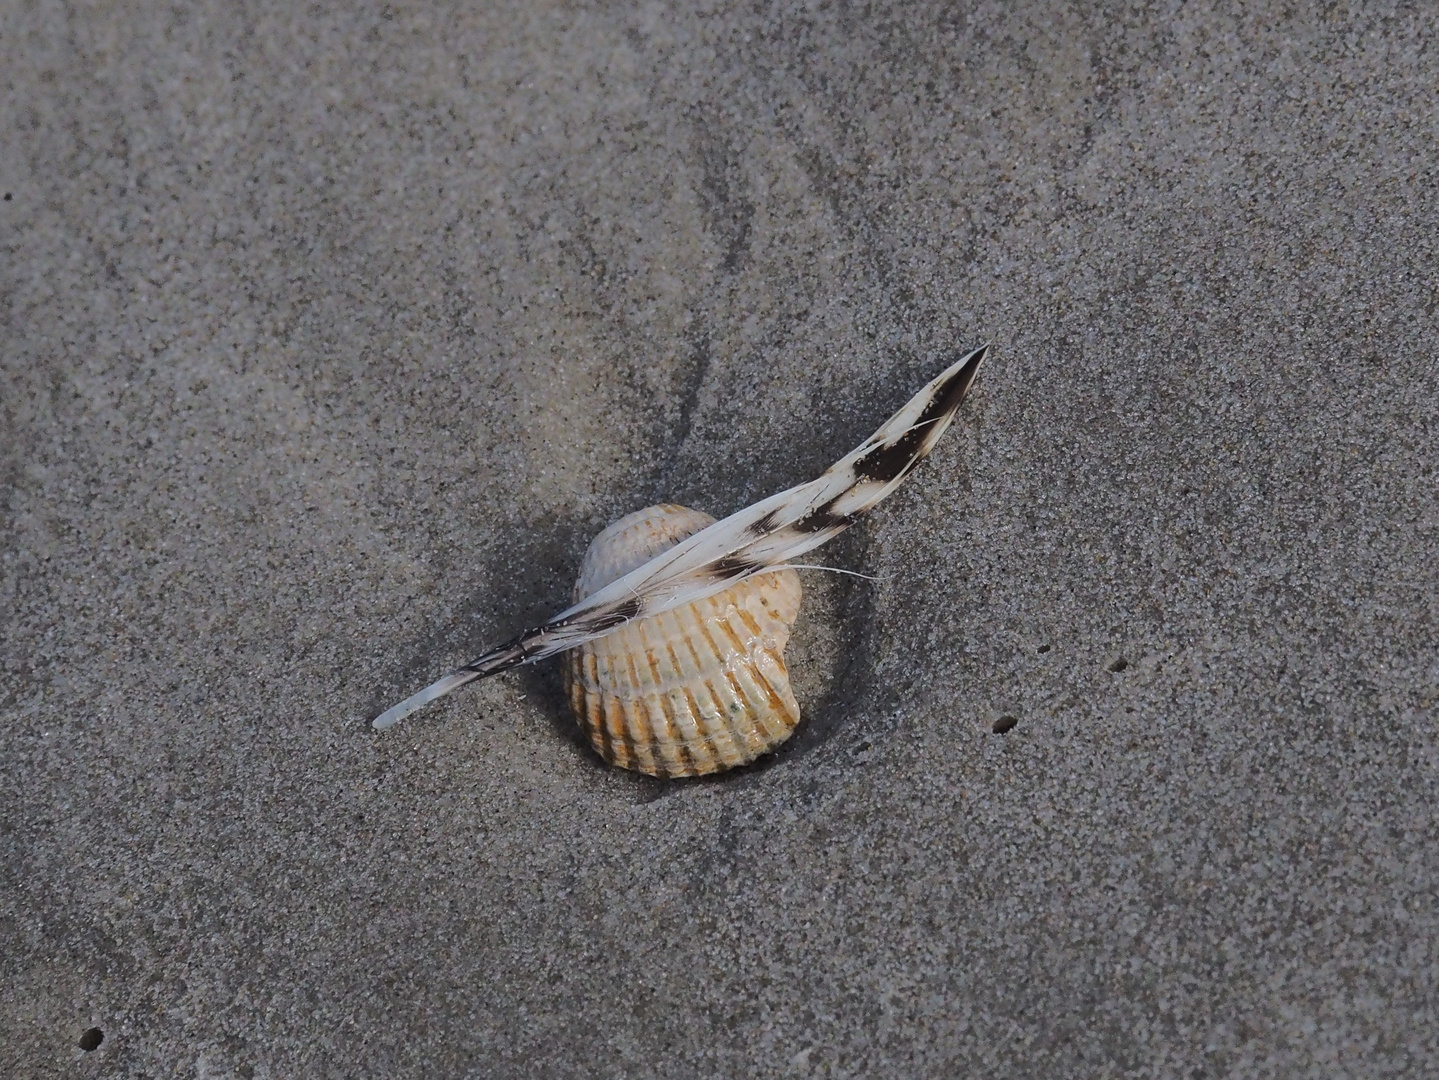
(697, 689)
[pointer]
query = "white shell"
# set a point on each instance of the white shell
(696, 689)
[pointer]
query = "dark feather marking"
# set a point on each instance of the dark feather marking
(621, 613)
(893, 461)
(820, 518)
(824, 517)
(886, 463)
(951, 394)
(522, 646)
(733, 566)
(503, 657)
(766, 525)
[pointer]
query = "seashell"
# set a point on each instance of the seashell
(692, 690)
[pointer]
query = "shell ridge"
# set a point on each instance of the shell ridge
(599, 731)
(729, 717)
(776, 611)
(630, 709)
(691, 742)
(764, 689)
(741, 646)
(762, 734)
(755, 691)
(704, 719)
(750, 622)
(658, 716)
(659, 682)
(615, 726)
(576, 687)
(773, 674)
(651, 756)
(682, 721)
(591, 669)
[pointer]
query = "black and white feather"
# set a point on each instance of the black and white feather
(765, 536)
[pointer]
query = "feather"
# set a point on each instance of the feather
(761, 537)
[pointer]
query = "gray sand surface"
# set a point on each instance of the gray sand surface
(330, 337)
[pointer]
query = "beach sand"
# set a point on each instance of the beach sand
(331, 337)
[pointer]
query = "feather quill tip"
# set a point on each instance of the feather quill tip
(392, 716)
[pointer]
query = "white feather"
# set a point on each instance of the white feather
(758, 538)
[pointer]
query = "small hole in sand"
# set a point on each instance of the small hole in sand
(91, 1040)
(1042, 648)
(1118, 664)
(1005, 724)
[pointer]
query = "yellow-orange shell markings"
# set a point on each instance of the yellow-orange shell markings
(697, 689)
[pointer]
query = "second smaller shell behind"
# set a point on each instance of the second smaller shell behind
(697, 689)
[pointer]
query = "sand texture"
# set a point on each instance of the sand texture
(329, 336)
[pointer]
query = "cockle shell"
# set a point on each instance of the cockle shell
(696, 689)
